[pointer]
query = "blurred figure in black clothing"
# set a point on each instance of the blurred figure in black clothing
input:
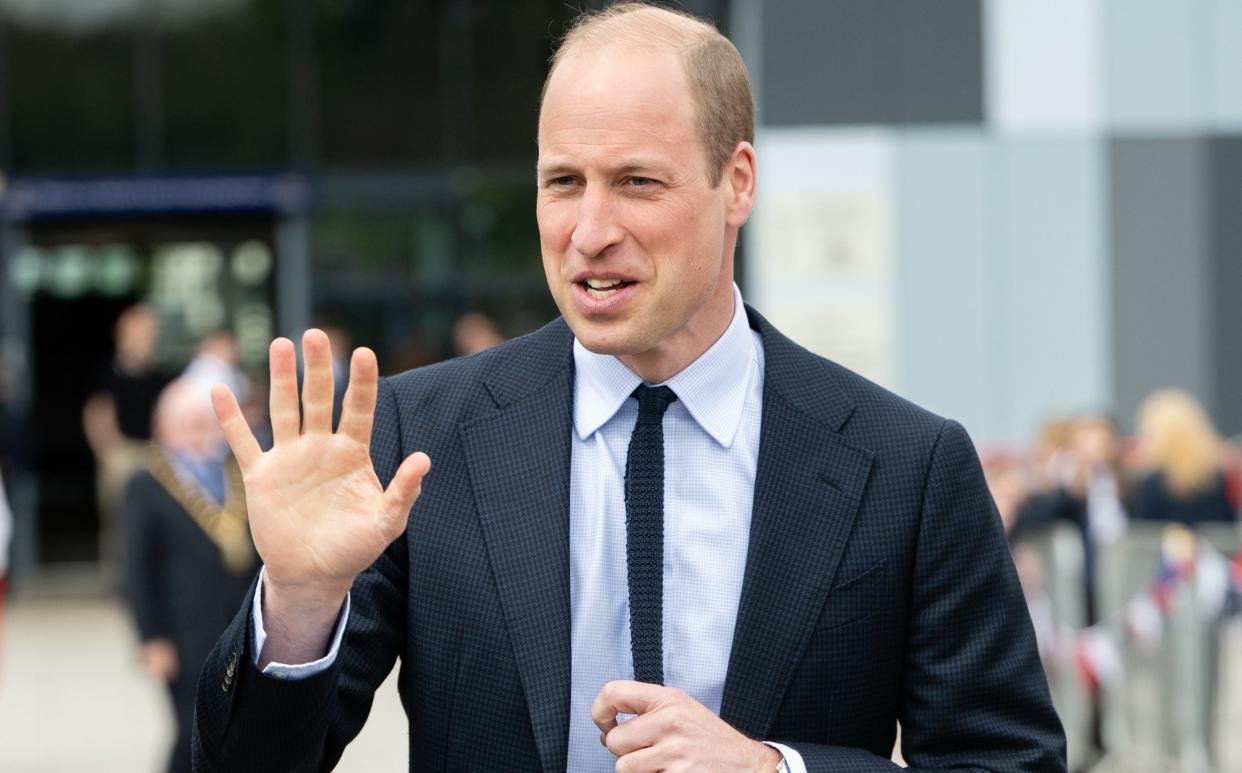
(1084, 485)
(117, 416)
(1186, 481)
(1089, 491)
(188, 556)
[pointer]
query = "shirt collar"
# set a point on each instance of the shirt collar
(713, 388)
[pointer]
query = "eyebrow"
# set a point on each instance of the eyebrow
(557, 167)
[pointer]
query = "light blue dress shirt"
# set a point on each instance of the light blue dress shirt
(711, 451)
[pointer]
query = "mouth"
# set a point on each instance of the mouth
(601, 289)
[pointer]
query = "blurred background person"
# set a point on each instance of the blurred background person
(1183, 455)
(117, 416)
(1100, 479)
(1231, 457)
(188, 558)
(1078, 464)
(1054, 464)
(216, 361)
(1009, 484)
(1084, 485)
(474, 332)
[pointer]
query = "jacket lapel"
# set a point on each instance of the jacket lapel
(808, 487)
(518, 460)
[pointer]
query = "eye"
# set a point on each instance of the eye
(641, 182)
(560, 181)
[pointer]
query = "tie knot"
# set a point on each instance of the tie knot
(653, 402)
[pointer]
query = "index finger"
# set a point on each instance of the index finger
(236, 431)
(624, 697)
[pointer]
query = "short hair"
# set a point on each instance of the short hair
(719, 84)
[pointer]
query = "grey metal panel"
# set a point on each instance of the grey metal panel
(939, 50)
(1226, 324)
(746, 32)
(880, 61)
(1161, 310)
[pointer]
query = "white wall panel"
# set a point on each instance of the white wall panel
(819, 261)
(1043, 64)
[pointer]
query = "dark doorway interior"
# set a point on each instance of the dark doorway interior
(177, 265)
(71, 342)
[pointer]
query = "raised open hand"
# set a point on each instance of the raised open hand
(318, 513)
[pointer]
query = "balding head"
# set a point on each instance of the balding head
(184, 421)
(717, 79)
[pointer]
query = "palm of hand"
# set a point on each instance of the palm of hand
(317, 510)
(318, 513)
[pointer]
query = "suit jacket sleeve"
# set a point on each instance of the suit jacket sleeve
(974, 696)
(143, 579)
(257, 722)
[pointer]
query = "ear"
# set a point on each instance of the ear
(738, 180)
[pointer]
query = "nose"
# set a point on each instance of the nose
(597, 227)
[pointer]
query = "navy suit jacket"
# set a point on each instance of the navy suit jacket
(878, 587)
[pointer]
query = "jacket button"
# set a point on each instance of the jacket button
(230, 671)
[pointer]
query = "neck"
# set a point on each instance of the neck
(131, 363)
(675, 354)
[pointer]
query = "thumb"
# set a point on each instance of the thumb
(404, 488)
(625, 697)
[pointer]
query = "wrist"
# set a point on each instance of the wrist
(302, 598)
(298, 626)
(771, 760)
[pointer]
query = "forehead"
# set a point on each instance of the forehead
(616, 99)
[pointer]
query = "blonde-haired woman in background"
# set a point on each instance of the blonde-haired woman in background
(1186, 481)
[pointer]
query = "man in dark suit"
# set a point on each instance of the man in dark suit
(766, 559)
(188, 559)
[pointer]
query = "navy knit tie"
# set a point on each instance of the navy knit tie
(644, 532)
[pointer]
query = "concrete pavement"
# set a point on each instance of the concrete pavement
(73, 698)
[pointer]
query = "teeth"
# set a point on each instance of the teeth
(603, 288)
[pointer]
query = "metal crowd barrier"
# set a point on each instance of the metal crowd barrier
(1060, 547)
(1158, 715)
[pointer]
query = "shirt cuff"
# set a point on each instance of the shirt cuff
(792, 758)
(296, 670)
